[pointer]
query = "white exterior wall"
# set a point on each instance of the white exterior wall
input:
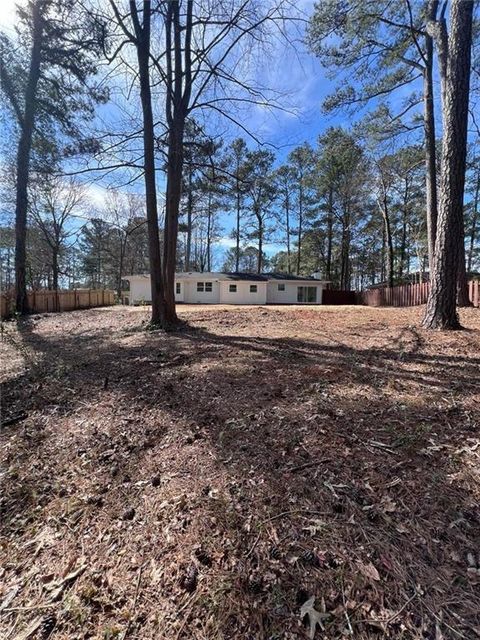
(140, 291)
(201, 297)
(289, 296)
(267, 292)
(243, 295)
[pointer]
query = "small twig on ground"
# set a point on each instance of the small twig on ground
(313, 463)
(252, 548)
(6, 422)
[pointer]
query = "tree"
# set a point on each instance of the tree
(138, 33)
(124, 214)
(441, 312)
(248, 260)
(45, 77)
(260, 196)
(301, 161)
(384, 47)
(53, 204)
(237, 167)
(344, 183)
(473, 211)
(284, 185)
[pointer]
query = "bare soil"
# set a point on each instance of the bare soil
(206, 484)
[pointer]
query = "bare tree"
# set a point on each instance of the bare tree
(53, 204)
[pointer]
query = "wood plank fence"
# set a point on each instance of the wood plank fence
(408, 295)
(49, 301)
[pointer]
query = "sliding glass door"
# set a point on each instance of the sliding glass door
(307, 294)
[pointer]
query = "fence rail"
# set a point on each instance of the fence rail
(408, 295)
(49, 301)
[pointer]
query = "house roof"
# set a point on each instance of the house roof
(223, 275)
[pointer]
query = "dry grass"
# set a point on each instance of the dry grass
(205, 484)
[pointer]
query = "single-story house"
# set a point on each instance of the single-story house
(233, 288)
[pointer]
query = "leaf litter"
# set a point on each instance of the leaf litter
(264, 473)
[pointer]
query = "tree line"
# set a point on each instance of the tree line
(381, 200)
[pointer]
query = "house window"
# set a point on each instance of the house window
(281, 287)
(307, 294)
(232, 288)
(253, 288)
(178, 288)
(208, 287)
(200, 286)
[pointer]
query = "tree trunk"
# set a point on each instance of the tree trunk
(143, 56)
(287, 221)
(430, 146)
(260, 243)
(388, 241)
(188, 248)
(473, 226)
(328, 271)
(23, 161)
(300, 225)
(174, 193)
(209, 233)
(441, 310)
(237, 246)
(55, 268)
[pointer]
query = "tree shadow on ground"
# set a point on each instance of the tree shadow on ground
(288, 468)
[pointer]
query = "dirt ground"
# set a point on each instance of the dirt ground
(207, 484)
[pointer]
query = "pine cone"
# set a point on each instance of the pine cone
(47, 626)
(189, 580)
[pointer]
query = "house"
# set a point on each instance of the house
(233, 288)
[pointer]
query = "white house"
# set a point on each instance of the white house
(233, 288)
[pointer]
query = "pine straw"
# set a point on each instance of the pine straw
(269, 455)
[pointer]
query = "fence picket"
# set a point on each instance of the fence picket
(48, 301)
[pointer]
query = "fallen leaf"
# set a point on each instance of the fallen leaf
(368, 570)
(314, 617)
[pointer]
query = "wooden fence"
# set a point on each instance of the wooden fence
(336, 296)
(48, 301)
(408, 295)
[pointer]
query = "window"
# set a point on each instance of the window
(306, 294)
(232, 288)
(253, 288)
(204, 286)
(281, 287)
(178, 288)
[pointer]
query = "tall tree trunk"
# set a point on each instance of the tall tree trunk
(300, 225)
(209, 233)
(441, 310)
(174, 193)
(403, 242)
(260, 242)
(238, 202)
(388, 240)
(430, 143)
(188, 248)
(473, 226)
(328, 271)
(143, 56)
(55, 268)
(287, 221)
(23, 160)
